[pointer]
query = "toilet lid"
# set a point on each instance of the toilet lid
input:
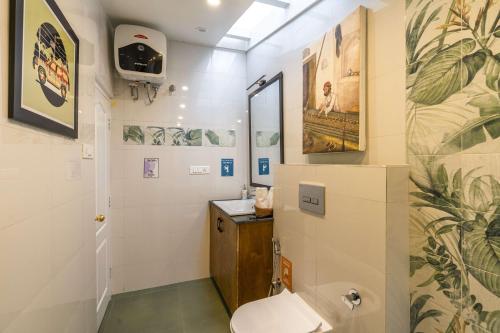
(283, 313)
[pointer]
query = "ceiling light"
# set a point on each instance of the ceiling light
(185, 88)
(201, 29)
(180, 117)
(214, 3)
(238, 121)
(182, 106)
(178, 124)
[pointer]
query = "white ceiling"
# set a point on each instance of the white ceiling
(179, 18)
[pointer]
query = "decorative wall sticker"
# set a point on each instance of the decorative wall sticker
(263, 166)
(151, 168)
(133, 135)
(334, 88)
(176, 136)
(220, 138)
(155, 136)
(44, 54)
(227, 167)
(453, 128)
(267, 138)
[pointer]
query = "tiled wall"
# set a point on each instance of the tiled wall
(47, 229)
(454, 152)
(385, 77)
(360, 243)
(160, 226)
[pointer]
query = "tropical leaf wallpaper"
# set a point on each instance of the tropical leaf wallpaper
(453, 130)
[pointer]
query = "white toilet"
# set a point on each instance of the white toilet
(283, 313)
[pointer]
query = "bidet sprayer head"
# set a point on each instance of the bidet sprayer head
(276, 246)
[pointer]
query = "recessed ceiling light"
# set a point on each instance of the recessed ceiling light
(201, 29)
(182, 106)
(214, 3)
(185, 88)
(179, 124)
(238, 121)
(180, 117)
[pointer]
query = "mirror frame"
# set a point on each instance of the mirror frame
(279, 78)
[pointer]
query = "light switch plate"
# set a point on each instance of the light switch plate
(87, 151)
(312, 198)
(199, 170)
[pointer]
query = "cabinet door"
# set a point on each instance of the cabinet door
(227, 283)
(214, 243)
(255, 268)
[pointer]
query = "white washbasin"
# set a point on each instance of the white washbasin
(237, 207)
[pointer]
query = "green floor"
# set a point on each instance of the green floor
(187, 307)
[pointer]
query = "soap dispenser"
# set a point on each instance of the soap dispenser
(244, 192)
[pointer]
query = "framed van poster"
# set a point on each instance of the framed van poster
(43, 67)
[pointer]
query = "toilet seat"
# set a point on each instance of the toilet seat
(283, 313)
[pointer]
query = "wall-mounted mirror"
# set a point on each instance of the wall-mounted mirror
(265, 108)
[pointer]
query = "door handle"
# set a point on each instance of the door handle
(220, 223)
(100, 218)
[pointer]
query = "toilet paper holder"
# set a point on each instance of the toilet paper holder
(352, 299)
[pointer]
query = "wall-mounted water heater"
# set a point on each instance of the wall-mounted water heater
(141, 54)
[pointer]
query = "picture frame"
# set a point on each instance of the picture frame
(43, 67)
(151, 168)
(334, 88)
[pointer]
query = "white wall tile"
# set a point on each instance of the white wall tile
(165, 220)
(47, 233)
(360, 243)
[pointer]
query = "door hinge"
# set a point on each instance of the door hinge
(109, 202)
(110, 273)
(109, 124)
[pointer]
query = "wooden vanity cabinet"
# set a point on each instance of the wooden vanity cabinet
(240, 257)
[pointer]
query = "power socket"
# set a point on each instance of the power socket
(199, 170)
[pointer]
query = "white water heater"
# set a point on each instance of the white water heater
(140, 54)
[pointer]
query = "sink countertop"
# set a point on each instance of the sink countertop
(241, 219)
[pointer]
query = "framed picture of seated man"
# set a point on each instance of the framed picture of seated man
(43, 67)
(334, 94)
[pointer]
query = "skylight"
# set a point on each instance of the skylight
(260, 20)
(257, 17)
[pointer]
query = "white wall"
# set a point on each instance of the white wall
(365, 249)
(160, 226)
(47, 229)
(385, 77)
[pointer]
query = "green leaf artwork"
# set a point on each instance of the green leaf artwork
(212, 137)
(267, 138)
(155, 135)
(177, 136)
(133, 135)
(220, 138)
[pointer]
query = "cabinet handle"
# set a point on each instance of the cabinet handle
(220, 224)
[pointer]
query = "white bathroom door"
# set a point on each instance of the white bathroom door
(102, 222)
